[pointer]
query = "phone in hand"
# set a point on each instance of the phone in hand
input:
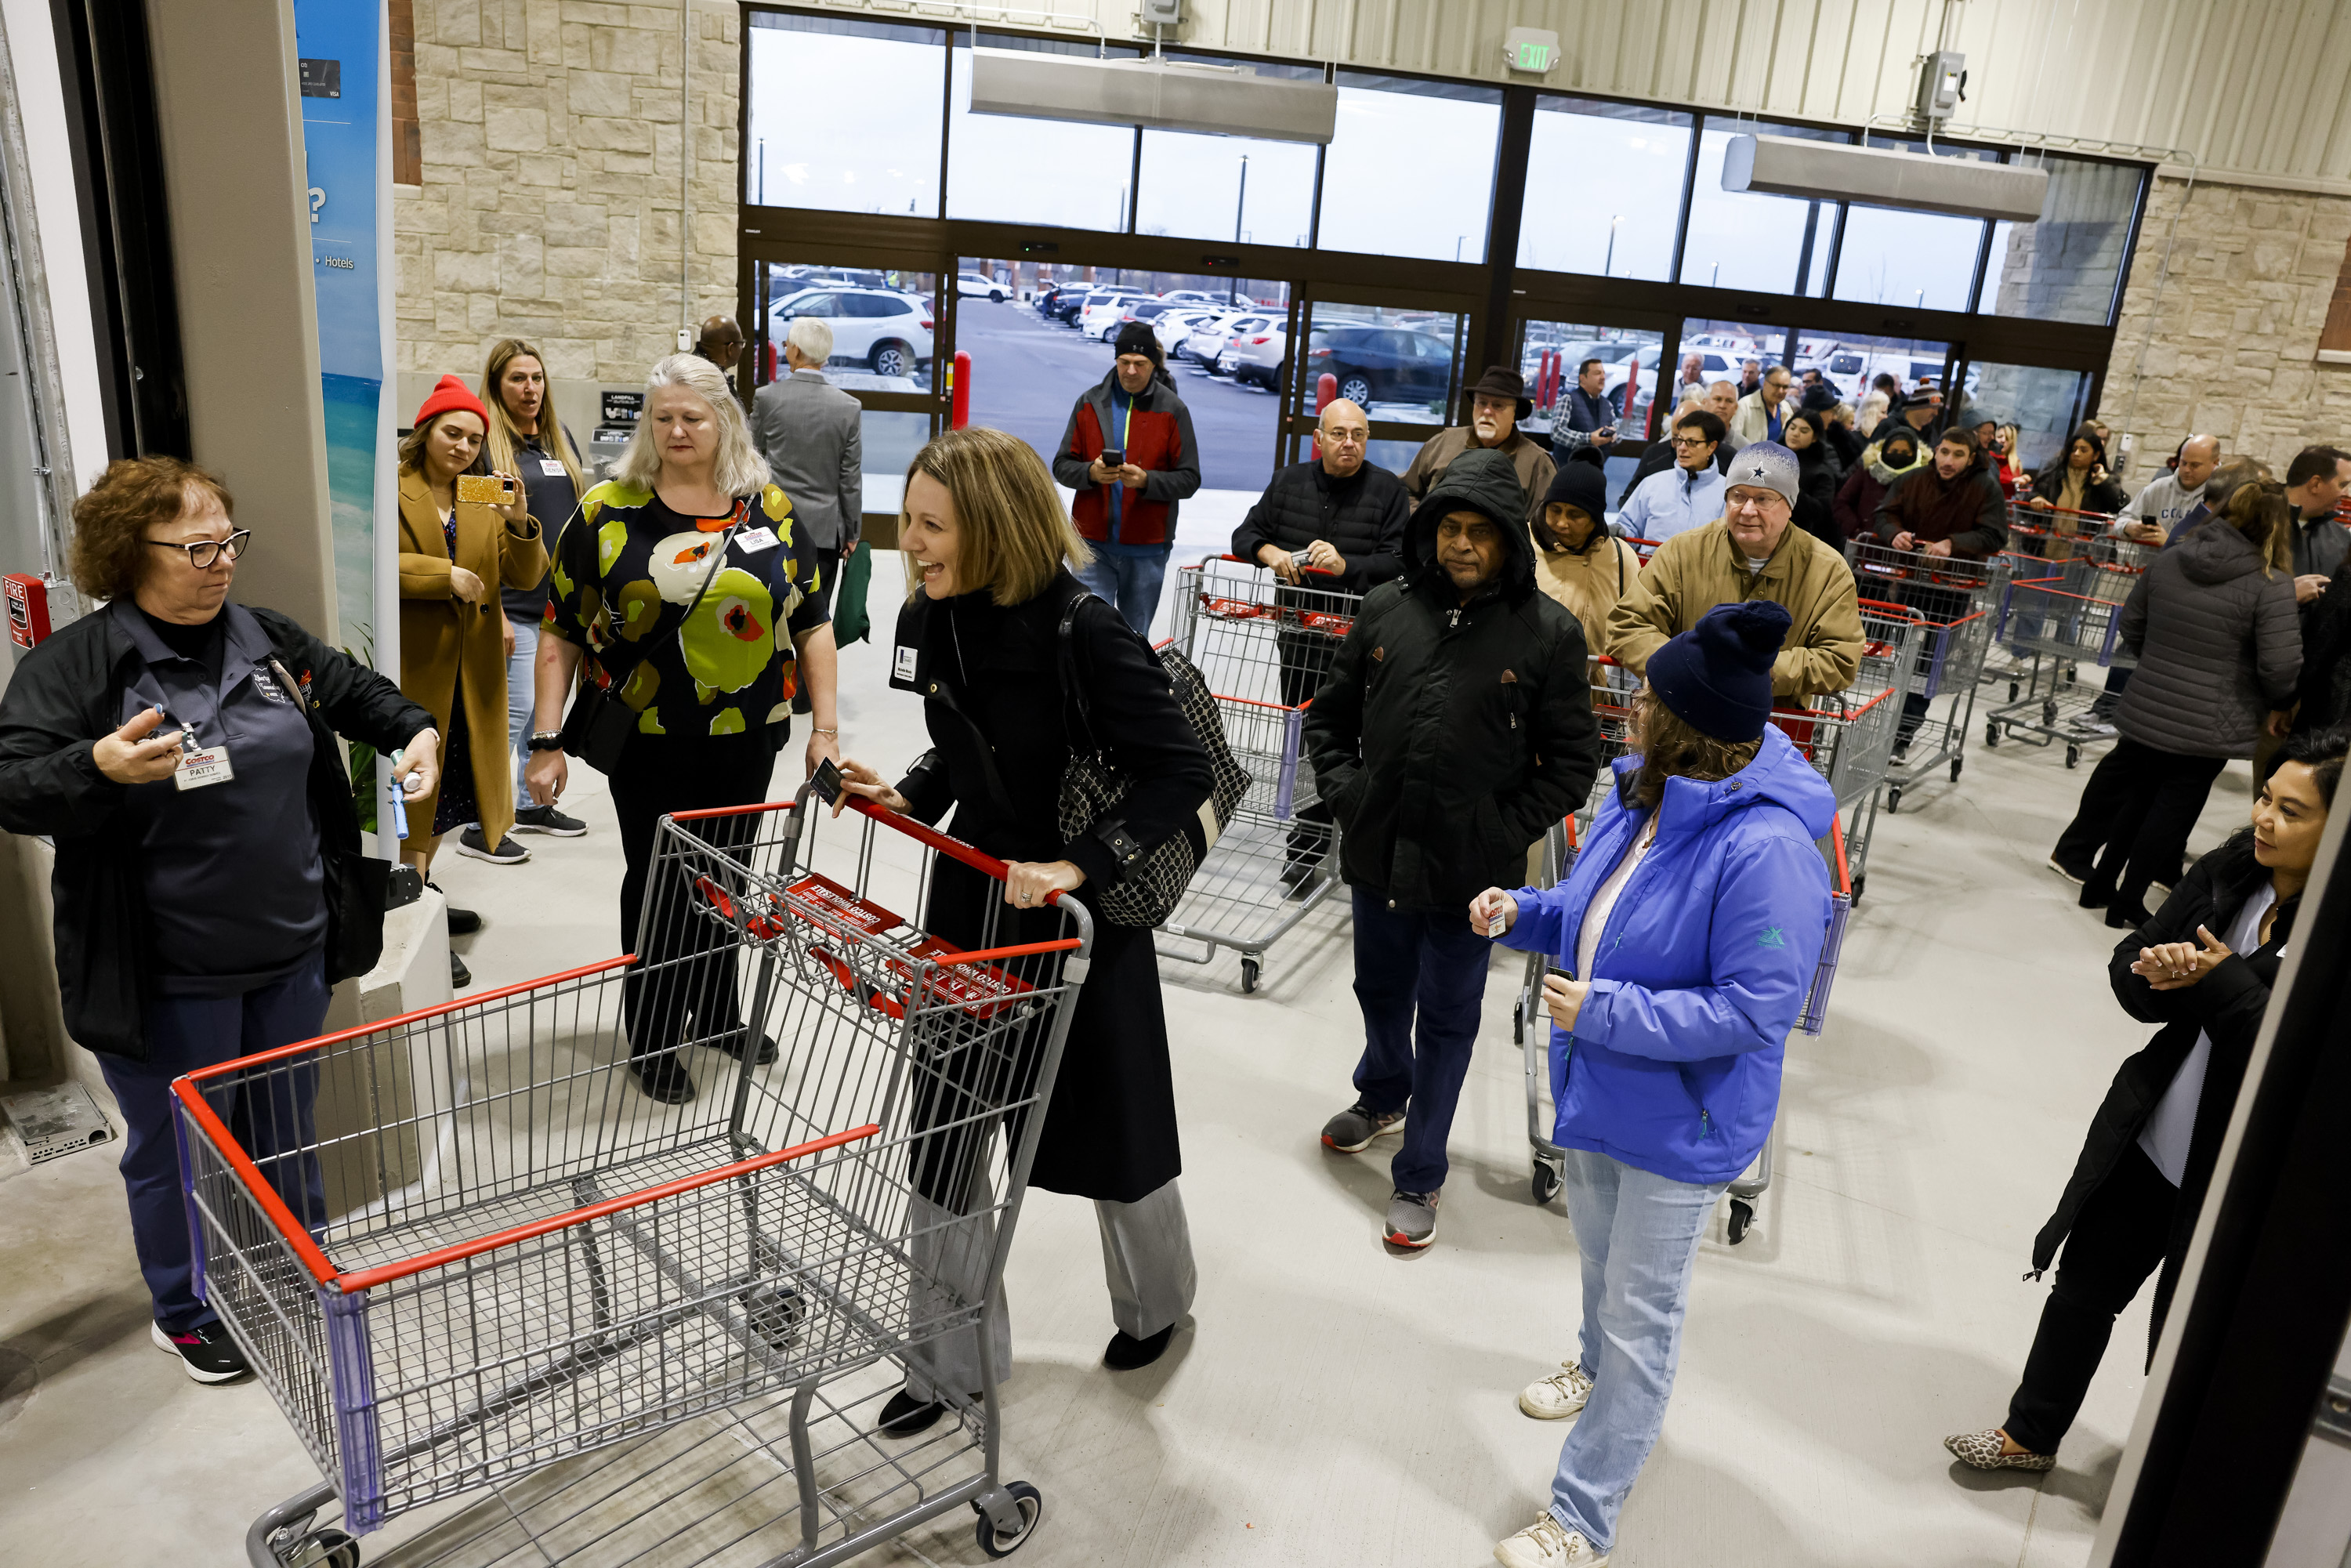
(487, 489)
(1112, 457)
(827, 779)
(1555, 970)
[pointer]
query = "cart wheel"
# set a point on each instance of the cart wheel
(1893, 798)
(1858, 884)
(775, 1314)
(2014, 687)
(323, 1549)
(1518, 1021)
(1742, 1215)
(1248, 974)
(2072, 756)
(1992, 734)
(2049, 712)
(1955, 769)
(1033, 1508)
(1546, 1182)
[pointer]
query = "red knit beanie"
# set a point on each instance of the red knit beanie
(451, 396)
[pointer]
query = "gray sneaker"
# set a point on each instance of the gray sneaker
(1351, 1130)
(1412, 1220)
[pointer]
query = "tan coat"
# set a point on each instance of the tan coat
(1694, 571)
(1588, 585)
(447, 645)
(1531, 461)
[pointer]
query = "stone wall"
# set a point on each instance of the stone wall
(549, 203)
(2235, 342)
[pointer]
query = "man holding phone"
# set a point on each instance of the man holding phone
(1129, 455)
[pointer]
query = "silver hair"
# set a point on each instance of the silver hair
(740, 469)
(812, 338)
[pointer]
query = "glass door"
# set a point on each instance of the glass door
(1400, 363)
(1628, 366)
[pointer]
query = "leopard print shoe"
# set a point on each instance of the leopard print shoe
(1983, 1450)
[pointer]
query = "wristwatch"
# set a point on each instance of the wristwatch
(547, 740)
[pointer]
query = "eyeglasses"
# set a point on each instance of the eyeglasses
(1687, 442)
(1752, 501)
(202, 553)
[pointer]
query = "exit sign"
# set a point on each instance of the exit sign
(1530, 49)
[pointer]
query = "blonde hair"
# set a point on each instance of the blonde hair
(739, 470)
(503, 437)
(1012, 535)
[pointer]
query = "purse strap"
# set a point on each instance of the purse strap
(1066, 663)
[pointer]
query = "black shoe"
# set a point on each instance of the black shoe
(206, 1354)
(460, 977)
(1125, 1353)
(733, 1046)
(905, 1416)
(505, 852)
(662, 1079)
(548, 820)
(1298, 878)
(2127, 919)
(462, 922)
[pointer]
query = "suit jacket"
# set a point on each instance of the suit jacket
(809, 431)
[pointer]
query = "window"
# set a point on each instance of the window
(883, 331)
(888, 442)
(1410, 170)
(1926, 261)
(2067, 267)
(1603, 188)
(1238, 188)
(1742, 239)
(1398, 364)
(1008, 170)
(816, 140)
(2043, 404)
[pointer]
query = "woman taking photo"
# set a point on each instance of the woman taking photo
(2213, 626)
(1692, 922)
(2079, 483)
(2202, 968)
(452, 637)
(684, 598)
(527, 438)
(210, 885)
(995, 555)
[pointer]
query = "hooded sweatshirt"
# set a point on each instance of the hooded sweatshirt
(1450, 736)
(2218, 645)
(1701, 968)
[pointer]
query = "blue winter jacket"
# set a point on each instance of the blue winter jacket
(1674, 1067)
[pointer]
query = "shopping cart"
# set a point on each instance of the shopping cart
(1848, 736)
(1956, 600)
(1531, 1029)
(671, 1325)
(2053, 625)
(1263, 647)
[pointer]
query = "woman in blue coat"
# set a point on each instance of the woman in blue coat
(1685, 940)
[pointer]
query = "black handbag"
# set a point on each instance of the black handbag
(597, 724)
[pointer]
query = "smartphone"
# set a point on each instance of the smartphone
(1555, 970)
(486, 489)
(1301, 558)
(1114, 457)
(827, 779)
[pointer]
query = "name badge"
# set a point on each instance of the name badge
(906, 665)
(199, 769)
(757, 539)
(550, 467)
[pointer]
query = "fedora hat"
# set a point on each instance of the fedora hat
(1501, 380)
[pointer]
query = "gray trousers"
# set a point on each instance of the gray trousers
(1146, 1261)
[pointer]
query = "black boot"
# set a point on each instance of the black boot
(1125, 1353)
(662, 1078)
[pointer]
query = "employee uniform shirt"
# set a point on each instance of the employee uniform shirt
(236, 890)
(1673, 502)
(2166, 1136)
(547, 486)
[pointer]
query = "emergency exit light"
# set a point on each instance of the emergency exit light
(1530, 49)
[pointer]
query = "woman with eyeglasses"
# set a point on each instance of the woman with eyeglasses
(210, 885)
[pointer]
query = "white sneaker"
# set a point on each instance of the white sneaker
(1547, 1543)
(1558, 1397)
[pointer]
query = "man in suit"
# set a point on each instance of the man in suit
(809, 432)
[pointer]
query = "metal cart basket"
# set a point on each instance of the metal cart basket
(1956, 600)
(1263, 646)
(1848, 736)
(520, 1272)
(2056, 623)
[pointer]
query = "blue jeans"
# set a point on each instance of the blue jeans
(1130, 583)
(269, 1117)
(522, 699)
(1420, 980)
(1638, 1234)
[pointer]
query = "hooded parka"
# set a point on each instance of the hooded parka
(2219, 645)
(1449, 737)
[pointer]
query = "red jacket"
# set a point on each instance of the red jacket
(1158, 441)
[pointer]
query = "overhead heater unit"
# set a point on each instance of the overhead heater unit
(1881, 177)
(1224, 100)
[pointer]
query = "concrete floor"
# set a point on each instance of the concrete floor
(1331, 1403)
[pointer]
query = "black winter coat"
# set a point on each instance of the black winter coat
(1817, 477)
(2228, 1004)
(2322, 694)
(65, 697)
(992, 700)
(2218, 641)
(1362, 517)
(1449, 737)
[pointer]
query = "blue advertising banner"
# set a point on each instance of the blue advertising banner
(340, 44)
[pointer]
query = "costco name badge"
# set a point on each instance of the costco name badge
(199, 769)
(905, 664)
(757, 539)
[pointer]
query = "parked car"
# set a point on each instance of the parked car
(1200, 296)
(886, 332)
(1104, 314)
(980, 286)
(1066, 309)
(1381, 364)
(1171, 327)
(1211, 338)
(1258, 359)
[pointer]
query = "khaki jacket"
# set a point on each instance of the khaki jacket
(450, 648)
(1692, 572)
(1531, 462)
(1588, 585)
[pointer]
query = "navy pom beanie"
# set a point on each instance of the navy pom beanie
(1717, 676)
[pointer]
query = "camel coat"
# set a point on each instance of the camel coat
(448, 646)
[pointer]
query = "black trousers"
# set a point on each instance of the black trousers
(685, 968)
(2134, 819)
(1306, 659)
(2119, 1240)
(1941, 607)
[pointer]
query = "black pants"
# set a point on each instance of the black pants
(1306, 659)
(685, 961)
(2135, 817)
(1941, 607)
(2118, 1241)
